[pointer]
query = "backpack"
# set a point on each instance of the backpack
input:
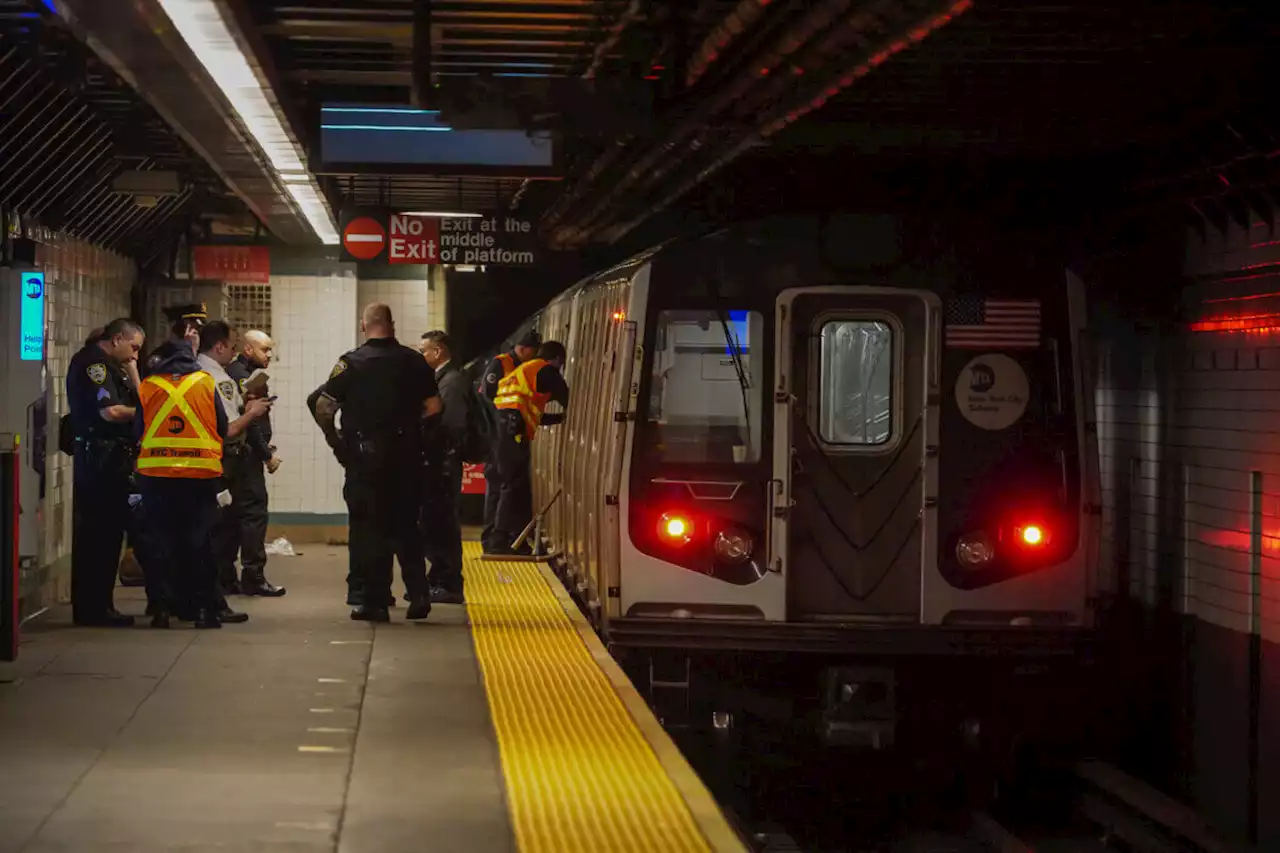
(478, 442)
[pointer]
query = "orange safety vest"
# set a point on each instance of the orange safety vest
(519, 391)
(180, 427)
(508, 364)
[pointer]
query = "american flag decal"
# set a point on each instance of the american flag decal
(975, 322)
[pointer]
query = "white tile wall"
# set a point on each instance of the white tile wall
(86, 288)
(312, 320)
(416, 307)
(1184, 419)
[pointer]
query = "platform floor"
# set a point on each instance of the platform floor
(302, 730)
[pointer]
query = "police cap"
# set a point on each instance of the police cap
(195, 311)
(530, 338)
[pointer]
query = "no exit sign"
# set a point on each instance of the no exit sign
(414, 240)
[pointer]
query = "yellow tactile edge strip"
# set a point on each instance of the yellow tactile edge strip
(587, 767)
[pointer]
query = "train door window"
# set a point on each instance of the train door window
(855, 383)
(706, 401)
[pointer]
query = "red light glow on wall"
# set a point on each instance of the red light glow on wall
(1255, 324)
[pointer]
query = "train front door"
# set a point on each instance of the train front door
(855, 437)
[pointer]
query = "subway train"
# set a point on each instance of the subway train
(836, 473)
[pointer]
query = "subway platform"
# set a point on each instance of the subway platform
(501, 726)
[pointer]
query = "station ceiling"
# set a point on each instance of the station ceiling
(731, 105)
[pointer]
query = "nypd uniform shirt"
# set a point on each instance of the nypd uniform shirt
(94, 383)
(228, 391)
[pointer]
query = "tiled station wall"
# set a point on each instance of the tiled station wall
(85, 288)
(1189, 436)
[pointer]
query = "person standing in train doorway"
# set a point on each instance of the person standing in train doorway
(521, 400)
(496, 371)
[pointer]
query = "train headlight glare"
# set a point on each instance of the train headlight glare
(975, 550)
(733, 546)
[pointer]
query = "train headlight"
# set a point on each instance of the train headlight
(734, 546)
(975, 550)
(675, 529)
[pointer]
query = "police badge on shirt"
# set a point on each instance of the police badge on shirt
(227, 388)
(97, 372)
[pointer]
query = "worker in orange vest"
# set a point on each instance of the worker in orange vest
(525, 348)
(521, 400)
(179, 466)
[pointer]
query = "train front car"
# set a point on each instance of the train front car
(855, 483)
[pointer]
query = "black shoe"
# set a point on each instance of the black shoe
(160, 618)
(419, 608)
(440, 595)
(111, 618)
(370, 614)
(261, 586)
(228, 616)
(206, 618)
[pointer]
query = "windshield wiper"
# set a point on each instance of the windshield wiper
(734, 348)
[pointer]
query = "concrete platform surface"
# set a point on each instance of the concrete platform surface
(297, 731)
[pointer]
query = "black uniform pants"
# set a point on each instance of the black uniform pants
(515, 501)
(384, 500)
(181, 514)
(242, 526)
(442, 532)
(492, 492)
(100, 515)
(148, 550)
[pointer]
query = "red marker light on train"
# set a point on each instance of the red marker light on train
(675, 528)
(1032, 535)
(619, 316)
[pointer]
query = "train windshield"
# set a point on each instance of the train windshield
(705, 400)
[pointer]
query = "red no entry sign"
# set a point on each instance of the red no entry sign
(364, 238)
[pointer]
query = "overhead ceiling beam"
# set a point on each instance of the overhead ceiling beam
(140, 44)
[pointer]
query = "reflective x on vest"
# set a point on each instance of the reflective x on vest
(190, 449)
(518, 391)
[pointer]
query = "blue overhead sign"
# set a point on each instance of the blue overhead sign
(32, 317)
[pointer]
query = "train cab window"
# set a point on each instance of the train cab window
(706, 399)
(855, 376)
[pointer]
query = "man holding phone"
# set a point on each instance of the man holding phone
(250, 484)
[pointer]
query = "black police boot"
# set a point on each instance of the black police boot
(440, 595)
(109, 618)
(419, 607)
(207, 618)
(370, 614)
(257, 584)
(228, 616)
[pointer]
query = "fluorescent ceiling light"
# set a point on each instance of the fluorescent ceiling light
(385, 127)
(442, 214)
(201, 25)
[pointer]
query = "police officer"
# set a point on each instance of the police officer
(248, 482)
(184, 331)
(384, 391)
(102, 382)
(441, 530)
(521, 400)
(181, 434)
(497, 370)
(216, 352)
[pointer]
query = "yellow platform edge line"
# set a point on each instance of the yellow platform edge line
(702, 812)
(715, 827)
